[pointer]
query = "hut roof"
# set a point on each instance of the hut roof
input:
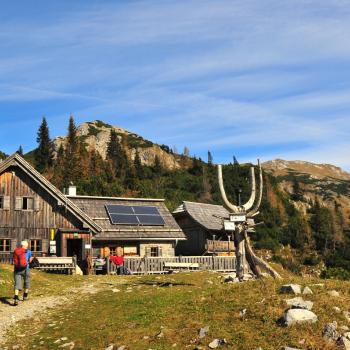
(95, 208)
(207, 215)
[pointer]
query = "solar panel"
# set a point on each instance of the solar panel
(119, 209)
(146, 210)
(152, 220)
(134, 215)
(124, 219)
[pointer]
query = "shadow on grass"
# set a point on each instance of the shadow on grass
(163, 284)
(6, 301)
(150, 283)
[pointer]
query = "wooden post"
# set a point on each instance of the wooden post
(108, 265)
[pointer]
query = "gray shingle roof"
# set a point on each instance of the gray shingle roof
(207, 215)
(95, 208)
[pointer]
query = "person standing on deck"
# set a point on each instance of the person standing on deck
(22, 257)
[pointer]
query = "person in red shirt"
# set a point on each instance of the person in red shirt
(119, 261)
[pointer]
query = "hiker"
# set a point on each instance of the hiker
(22, 257)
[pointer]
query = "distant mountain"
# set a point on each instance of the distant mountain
(280, 167)
(325, 183)
(96, 135)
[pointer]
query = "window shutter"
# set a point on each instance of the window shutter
(36, 204)
(13, 244)
(160, 251)
(45, 246)
(148, 251)
(19, 203)
(7, 203)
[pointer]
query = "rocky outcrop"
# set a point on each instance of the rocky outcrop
(95, 135)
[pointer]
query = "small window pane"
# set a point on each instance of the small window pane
(1, 202)
(35, 245)
(27, 203)
(5, 245)
(154, 251)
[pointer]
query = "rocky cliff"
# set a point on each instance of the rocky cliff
(96, 134)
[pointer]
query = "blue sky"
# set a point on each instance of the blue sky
(268, 79)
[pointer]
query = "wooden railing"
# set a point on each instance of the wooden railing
(5, 258)
(153, 265)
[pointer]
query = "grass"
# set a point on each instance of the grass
(178, 305)
(42, 284)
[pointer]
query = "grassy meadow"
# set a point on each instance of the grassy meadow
(166, 312)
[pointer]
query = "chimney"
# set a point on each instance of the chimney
(72, 190)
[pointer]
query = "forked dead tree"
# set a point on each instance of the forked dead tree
(240, 221)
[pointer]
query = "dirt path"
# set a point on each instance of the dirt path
(37, 307)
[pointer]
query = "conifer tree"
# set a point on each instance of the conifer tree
(72, 169)
(210, 158)
(138, 166)
(157, 165)
(20, 150)
(43, 155)
(117, 155)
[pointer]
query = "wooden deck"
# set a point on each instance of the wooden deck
(155, 265)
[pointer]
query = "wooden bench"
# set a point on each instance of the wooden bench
(177, 266)
(57, 264)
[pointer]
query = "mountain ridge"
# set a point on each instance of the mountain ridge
(281, 167)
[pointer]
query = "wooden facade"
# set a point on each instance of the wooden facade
(29, 210)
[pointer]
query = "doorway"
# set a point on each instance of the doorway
(75, 248)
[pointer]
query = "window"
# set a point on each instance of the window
(1, 202)
(156, 251)
(5, 245)
(35, 245)
(113, 250)
(28, 203)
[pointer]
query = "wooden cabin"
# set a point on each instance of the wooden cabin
(158, 235)
(203, 226)
(32, 208)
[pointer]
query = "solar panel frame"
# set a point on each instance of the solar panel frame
(134, 215)
(119, 209)
(151, 220)
(146, 210)
(120, 219)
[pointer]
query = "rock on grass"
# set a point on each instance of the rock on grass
(294, 316)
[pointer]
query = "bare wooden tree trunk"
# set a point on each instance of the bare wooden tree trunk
(257, 262)
(241, 261)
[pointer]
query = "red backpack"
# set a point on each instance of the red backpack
(20, 259)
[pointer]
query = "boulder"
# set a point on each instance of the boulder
(330, 331)
(291, 288)
(334, 293)
(346, 314)
(216, 343)
(232, 277)
(293, 316)
(307, 291)
(203, 331)
(299, 303)
(344, 341)
(336, 309)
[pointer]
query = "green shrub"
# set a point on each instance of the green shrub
(337, 273)
(287, 263)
